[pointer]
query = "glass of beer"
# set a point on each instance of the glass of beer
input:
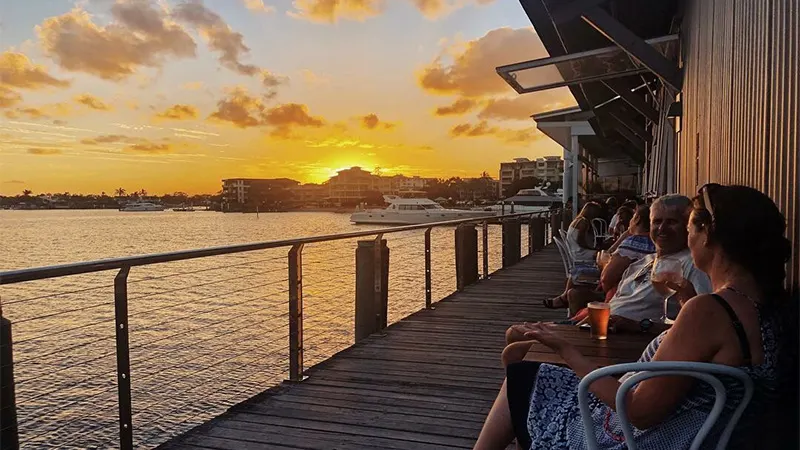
(598, 319)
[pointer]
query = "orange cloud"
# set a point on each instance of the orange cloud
(178, 112)
(331, 11)
(44, 151)
(258, 6)
(92, 102)
(140, 35)
(16, 70)
(472, 71)
(371, 121)
(524, 106)
(107, 139)
(459, 107)
(289, 115)
(483, 129)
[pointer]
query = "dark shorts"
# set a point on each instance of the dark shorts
(520, 378)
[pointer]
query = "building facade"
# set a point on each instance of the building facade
(351, 186)
(238, 192)
(549, 168)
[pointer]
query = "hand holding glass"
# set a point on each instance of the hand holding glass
(666, 270)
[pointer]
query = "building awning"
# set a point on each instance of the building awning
(581, 67)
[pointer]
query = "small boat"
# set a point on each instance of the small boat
(184, 209)
(142, 206)
(526, 200)
(412, 211)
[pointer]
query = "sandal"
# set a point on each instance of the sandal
(555, 302)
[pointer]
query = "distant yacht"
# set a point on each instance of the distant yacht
(184, 209)
(142, 206)
(410, 211)
(526, 200)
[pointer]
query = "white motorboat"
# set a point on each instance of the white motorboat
(411, 211)
(142, 206)
(184, 209)
(526, 200)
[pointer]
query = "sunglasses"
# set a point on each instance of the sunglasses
(705, 192)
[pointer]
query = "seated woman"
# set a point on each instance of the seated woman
(580, 244)
(744, 251)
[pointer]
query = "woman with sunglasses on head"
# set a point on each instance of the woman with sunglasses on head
(743, 250)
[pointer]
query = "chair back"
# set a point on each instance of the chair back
(563, 234)
(706, 372)
(562, 249)
(600, 227)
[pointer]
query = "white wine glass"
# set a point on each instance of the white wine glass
(666, 270)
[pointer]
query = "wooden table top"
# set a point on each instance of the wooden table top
(617, 349)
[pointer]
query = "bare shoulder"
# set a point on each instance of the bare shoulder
(701, 310)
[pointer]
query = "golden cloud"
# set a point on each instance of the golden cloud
(331, 11)
(258, 6)
(221, 38)
(483, 129)
(92, 102)
(150, 148)
(313, 79)
(18, 71)
(44, 151)
(434, 9)
(178, 112)
(140, 35)
(289, 115)
(108, 139)
(43, 112)
(524, 106)
(193, 86)
(240, 109)
(371, 121)
(8, 98)
(459, 107)
(472, 70)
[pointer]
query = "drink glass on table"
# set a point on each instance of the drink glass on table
(666, 269)
(599, 313)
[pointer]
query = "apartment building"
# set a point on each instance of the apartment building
(548, 168)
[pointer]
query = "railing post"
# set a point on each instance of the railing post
(511, 242)
(531, 227)
(9, 434)
(485, 239)
(555, 224)
(371, 287)
(466, 254)
(536, 233)
(296, 313)
(428, 281)
(123, 359)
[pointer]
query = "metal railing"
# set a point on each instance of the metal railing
(222, 327)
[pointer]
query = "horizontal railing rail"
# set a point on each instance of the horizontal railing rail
(41, 273)
(160, 315)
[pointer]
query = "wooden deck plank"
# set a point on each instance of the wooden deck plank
(426, 383)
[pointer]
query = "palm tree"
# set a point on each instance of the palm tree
(143, 193)
(120, 192)
(27, 193)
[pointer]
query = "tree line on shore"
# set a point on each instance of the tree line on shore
(27, 199)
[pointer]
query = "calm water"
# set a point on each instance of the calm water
(204, 334)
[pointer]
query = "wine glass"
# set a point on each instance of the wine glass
(666, 269)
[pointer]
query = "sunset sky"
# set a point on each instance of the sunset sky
(175, 95)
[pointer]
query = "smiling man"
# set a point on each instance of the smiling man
(637, 303)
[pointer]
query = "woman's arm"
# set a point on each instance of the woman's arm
(613, 271)
(619, 241)
(692, 338)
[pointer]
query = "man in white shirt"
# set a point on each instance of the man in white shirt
(637, 305)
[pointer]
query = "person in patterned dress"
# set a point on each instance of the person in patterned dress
(744, 252)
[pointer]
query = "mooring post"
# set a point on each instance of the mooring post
(372, 293)
(466, 255)
(9, 434)
(511, 242)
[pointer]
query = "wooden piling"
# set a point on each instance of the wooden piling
(371, 306)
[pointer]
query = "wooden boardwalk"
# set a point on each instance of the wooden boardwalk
(428, 383)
